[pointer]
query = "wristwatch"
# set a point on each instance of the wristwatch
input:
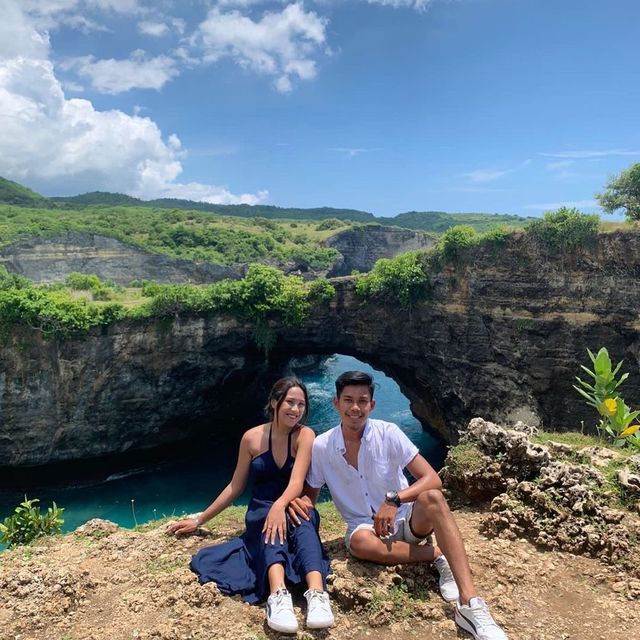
(392, 497)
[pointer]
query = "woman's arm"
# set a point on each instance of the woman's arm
(275, 524)
(226, 496)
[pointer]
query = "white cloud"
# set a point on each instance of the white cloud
(67, 145)
(586, 154)
(486, 175)
(280, 44)
(207, 193)
(352, 152)
(550, 206)
(413, 4)
(115, 76)
(150, 28)
(50, 14)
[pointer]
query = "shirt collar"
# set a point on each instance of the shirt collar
(338, 441)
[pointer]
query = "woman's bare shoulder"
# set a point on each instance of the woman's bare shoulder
(253, 438)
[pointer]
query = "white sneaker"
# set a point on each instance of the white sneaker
(319, 614)
(446, 582)
(280, 615)
(476, 619)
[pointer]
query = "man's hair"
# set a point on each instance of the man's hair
(279, 393)
(359, 378)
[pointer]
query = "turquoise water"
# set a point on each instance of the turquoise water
(191, 483)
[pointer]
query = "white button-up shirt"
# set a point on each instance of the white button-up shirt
(358, 493)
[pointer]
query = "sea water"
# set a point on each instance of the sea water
(190, 483)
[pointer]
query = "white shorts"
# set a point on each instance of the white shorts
(402, 531)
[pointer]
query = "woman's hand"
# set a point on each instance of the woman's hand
(188, 525)
(275, 524)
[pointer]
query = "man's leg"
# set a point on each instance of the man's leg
(431, 513)
(364, 544)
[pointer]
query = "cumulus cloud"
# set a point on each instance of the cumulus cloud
(151, 28)
(413, 4)
(115, 76)
(208, 193)
(67, 144)
(281, 44)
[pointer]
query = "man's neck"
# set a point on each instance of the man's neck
(352, 435)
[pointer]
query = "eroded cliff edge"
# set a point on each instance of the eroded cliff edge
(501, 335)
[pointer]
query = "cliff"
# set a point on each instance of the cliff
(53, 259)
(362, 247)
(502, 335)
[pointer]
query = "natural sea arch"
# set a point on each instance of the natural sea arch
(502, 336)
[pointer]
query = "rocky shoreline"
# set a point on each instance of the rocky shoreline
(102, 581)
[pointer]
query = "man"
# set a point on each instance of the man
(362, 462)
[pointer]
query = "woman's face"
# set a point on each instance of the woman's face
(291, 409)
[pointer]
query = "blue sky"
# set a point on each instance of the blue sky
(509, 106)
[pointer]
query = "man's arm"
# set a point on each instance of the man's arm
(300, 507)
(426, 478)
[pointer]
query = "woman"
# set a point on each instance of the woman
(276, 456)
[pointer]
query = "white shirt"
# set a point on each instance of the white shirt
(358, 493)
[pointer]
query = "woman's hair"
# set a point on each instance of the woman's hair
(279, 393)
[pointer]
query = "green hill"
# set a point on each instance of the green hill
(99, 198)
(433, 221)
(440, 221)
(14, 193)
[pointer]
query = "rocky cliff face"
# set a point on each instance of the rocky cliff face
(53, 259)
(363, 246)
(502, 337)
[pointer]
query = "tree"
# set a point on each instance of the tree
(623, 192)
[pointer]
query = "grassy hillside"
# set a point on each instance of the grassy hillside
(439, 221)
(189, 235)
(14, 193)
(433, 221)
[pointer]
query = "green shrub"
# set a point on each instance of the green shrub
(82, 281)
(601, 393)
(321, 290)
(565, 228)
(28, 523)
(456, 240)
(401, 280)
(12, 280)
(330, 223)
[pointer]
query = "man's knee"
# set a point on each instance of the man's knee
(432, 502)
(360, 544)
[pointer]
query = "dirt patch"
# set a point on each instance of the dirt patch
(116, 584)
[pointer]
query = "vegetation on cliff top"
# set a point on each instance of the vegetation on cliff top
(264, 295)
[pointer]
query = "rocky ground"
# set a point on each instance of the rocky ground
(104, 582)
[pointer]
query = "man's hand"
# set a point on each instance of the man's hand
(384, 519)
(299, 508)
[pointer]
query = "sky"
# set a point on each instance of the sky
(503, 106)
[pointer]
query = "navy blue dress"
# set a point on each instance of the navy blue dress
(240, 565)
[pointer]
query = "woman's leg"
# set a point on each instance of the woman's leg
(275, 574)
(314, 580)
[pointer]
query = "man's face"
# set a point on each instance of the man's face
(354, 406)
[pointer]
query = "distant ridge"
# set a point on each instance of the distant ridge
(14, 193)
(432, 221)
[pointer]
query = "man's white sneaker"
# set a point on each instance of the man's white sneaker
(476, 619)
(319, 614)
(280, 615)
(446, 582)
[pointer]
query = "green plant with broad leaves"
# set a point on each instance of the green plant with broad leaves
(28, 523)
(616, 421)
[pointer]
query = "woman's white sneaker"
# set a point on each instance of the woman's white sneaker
(319, 614)
(476, 619)
(280, 614)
